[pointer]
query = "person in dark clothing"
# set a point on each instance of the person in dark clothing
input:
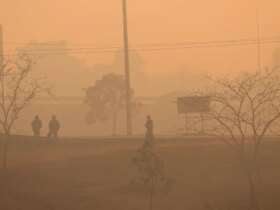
(149, 131)
(36, 126)
(54, 127)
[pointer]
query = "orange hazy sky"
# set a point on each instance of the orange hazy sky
(99, 23)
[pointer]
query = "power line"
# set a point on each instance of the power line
(43, 44)
(158, 47)
(166, 44)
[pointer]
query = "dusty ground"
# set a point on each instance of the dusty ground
(96, 175)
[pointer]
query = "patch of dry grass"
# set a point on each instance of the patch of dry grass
(96, 175)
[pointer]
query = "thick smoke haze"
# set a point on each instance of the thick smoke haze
(98, 24)
(139, 104)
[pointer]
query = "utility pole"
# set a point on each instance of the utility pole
(1, 46)
(258, 27)
(127, 70)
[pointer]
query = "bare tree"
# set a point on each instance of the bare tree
(245, 109)
(18, 88)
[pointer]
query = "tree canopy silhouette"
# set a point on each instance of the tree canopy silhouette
(106, 98)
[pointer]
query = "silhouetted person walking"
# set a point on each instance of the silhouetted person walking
(54, 127)
(149, 131)
(36, 126)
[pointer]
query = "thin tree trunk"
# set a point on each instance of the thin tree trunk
(152, 195)
(257, 162)
(250, 173)
(5, 151)
(114, 129)
(254, 201)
